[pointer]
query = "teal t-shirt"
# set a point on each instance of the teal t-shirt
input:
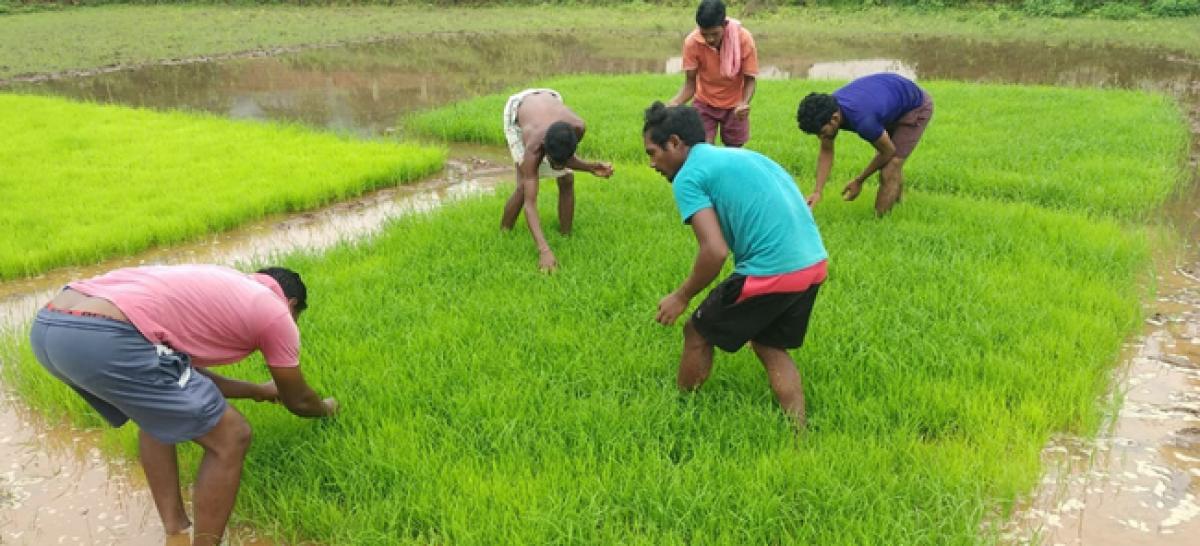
(765, 221)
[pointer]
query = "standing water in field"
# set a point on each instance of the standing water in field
(1137, 482)
(364, 88)
(55, 488)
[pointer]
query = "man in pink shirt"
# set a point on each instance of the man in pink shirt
(721, 63)
(136, 344)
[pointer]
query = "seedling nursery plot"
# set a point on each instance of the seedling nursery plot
(1113, 153)
(487, 403)
(83, 182)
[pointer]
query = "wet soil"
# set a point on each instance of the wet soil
(55, 488)
(365, 87)
(1135, 483)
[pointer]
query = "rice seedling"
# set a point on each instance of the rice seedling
(1042, 145)
(83, 182)
(487, 403)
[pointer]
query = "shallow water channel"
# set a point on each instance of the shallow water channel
(1136, 483)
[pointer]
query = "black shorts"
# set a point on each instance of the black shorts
(775, 320)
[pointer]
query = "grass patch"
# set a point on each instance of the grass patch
(83, 182)
(1033, 144)
(113, 35)
(486, 403)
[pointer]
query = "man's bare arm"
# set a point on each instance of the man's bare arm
(750, 83)
(597, 168)
(687, 91)
(824, 167)
(885, 150)
(527, 177)
(298, 397)
(710, 257)
(234, 388)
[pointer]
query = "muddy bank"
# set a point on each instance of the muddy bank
(55, 487)
(364, 88)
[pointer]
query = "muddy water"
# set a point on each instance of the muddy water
(54, 486)
(1136, 483)
(364, 88)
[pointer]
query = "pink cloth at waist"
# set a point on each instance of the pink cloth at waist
(796, 281)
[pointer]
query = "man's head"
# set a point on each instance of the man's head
(293, 288)
(710, 17)
(669, 134)
(560, 143)
(819, 115)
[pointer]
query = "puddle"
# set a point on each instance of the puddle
(55, 488)
(1140, 480)
(363, 88)
(1137, 482)
(473, 172)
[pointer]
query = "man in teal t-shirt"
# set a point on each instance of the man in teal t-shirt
(740, 201)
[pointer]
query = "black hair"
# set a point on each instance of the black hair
(560, 142)
(289, 281)
(815, 111)
(711, 13)
(662, 121)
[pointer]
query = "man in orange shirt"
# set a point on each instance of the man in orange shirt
(721, 62)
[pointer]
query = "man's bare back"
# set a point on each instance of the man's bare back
(535, 115)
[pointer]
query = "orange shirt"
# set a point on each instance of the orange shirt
(712, 88)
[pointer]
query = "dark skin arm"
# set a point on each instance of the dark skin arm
(710, 257)
(527, 177)
(743, 108)
(298, 397)
(687, 91)
(237, 389)
(603, 170)
(824, 166)
(885, 150)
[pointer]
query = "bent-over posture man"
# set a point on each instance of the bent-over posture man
(887, 110)
(720, 63)
(542, 136)
(742, 201)
(135, 344)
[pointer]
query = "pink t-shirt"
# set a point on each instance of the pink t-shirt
(214, 314)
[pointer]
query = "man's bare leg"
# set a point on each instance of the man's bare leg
(785, 380)
(161, 466)
(220, 475)
(566, 203)
(891, 182)
(512, 207)
(696, 362)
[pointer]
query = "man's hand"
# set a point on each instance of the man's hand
(741, 110)
(546, 261)
(267, 392)
(331, 406)
(814, 198)
(603, 170)
(670, 307)
(852, 190)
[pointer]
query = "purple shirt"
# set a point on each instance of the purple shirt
(871, 103)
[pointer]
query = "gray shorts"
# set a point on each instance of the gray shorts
(125, 376)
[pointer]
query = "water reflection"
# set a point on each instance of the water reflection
(364, 88)
(849, 70)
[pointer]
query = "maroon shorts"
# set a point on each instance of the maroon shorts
(735, 131)
(907, 130)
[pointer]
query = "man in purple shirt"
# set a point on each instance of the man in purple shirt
(887, 110)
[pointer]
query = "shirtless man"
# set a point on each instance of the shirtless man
(542, 135)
